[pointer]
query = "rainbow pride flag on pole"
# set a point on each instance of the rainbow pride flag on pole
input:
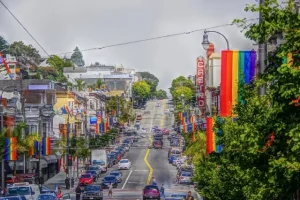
(10, 149)
(34, 149)
(210, 136)
(46, 146)
(237, 67)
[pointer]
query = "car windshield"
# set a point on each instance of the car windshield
(151, 187)
(19, 191)
(114, 174)
(178, 195)
(124, 161)
(98, 161)
(46, 197)
(85, 176)
(91, 188)
(109, 178)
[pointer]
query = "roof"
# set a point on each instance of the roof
(75, 69)
(215, 56)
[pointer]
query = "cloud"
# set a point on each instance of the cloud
(61, 25)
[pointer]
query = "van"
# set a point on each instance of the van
(29, 191)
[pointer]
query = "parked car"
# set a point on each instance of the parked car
(117, 174)
(166, 131)
(92, 192)
(47, 196)
(109, 162)
(124, 164)
(97, 169)
(125, 146)
(93, 173)
(108, 180)
(45, 190)
(173, 157)
(118, 154)
(157, 144)
(86, 179)
(151, 192)
(30, 191)
(14, 197)
(113, 158)
(186, 177)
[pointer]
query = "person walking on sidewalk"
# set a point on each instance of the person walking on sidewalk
(110, 192)
(78, 192)
(162, 191)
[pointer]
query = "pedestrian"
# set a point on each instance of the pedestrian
(153, 181)
(162, 191)
(110, 192)
(59, 194)
(177, 178)
(189, 196)
(78, 192)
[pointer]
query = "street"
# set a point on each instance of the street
(147, 163)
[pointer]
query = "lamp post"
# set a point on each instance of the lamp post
(205, 43)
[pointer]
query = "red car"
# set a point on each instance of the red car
(151, 192)
(166, 131)
(86, 179)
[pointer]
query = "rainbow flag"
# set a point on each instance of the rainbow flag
(237, 67)
(10, 149)
(34, 149)
(46, 146)
(180, 116)
(210, 136)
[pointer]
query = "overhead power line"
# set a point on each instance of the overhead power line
(24, 28)
(155, 38)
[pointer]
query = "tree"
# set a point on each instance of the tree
(182, 96)
(125, 108)
(80, 84)
(196, 151)
(99, 83)
(151, 80)
(55, 72)
(181, 81)
(101, 141)
(161, 94)
(25, 54)
(261, 158)
(141, 90)
(77, 57)
(4, 46)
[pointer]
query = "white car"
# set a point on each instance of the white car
(124, 164)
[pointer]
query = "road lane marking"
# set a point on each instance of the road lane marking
(141, 170)
(147, 163)
(127, 179)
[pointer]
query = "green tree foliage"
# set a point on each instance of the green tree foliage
(125, 108)
(161, 94)
(77, 57)
(25, 53)
(102, 141)
(55, 72)
(196, 151)
(151, 80)
(181, 81)
(141, 89)
(4, 46)
(256, 164)
(80, 84)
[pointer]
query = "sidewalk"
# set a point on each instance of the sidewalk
(59, 179)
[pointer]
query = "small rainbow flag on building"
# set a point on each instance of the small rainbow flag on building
(10, 149)
(46, 146)
(34, 149)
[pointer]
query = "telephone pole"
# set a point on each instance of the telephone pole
(262, 53)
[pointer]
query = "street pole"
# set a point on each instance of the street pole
(68, 146)
(23, 119)
(40, 148)
(2, 157)
(262, 53)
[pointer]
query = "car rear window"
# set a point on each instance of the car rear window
(92, 188)
(109, 178)
(19, 191)
(85, 176)
(151, 187)
(186, 174)
(114, 174)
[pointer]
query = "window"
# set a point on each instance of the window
(70, 104)
(92, 106)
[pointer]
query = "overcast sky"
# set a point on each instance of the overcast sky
(60, 25)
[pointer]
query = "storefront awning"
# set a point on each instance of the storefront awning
(20, 164)
(51, 159)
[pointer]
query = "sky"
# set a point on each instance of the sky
(61, 25)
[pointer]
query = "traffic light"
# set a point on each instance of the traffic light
(70, 159)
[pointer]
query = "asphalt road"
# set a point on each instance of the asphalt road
(148, 162)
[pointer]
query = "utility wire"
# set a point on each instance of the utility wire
(156, 38)
(24, 28)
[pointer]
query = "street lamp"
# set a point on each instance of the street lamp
(205, 43)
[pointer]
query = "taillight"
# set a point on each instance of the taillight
(181, 177)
